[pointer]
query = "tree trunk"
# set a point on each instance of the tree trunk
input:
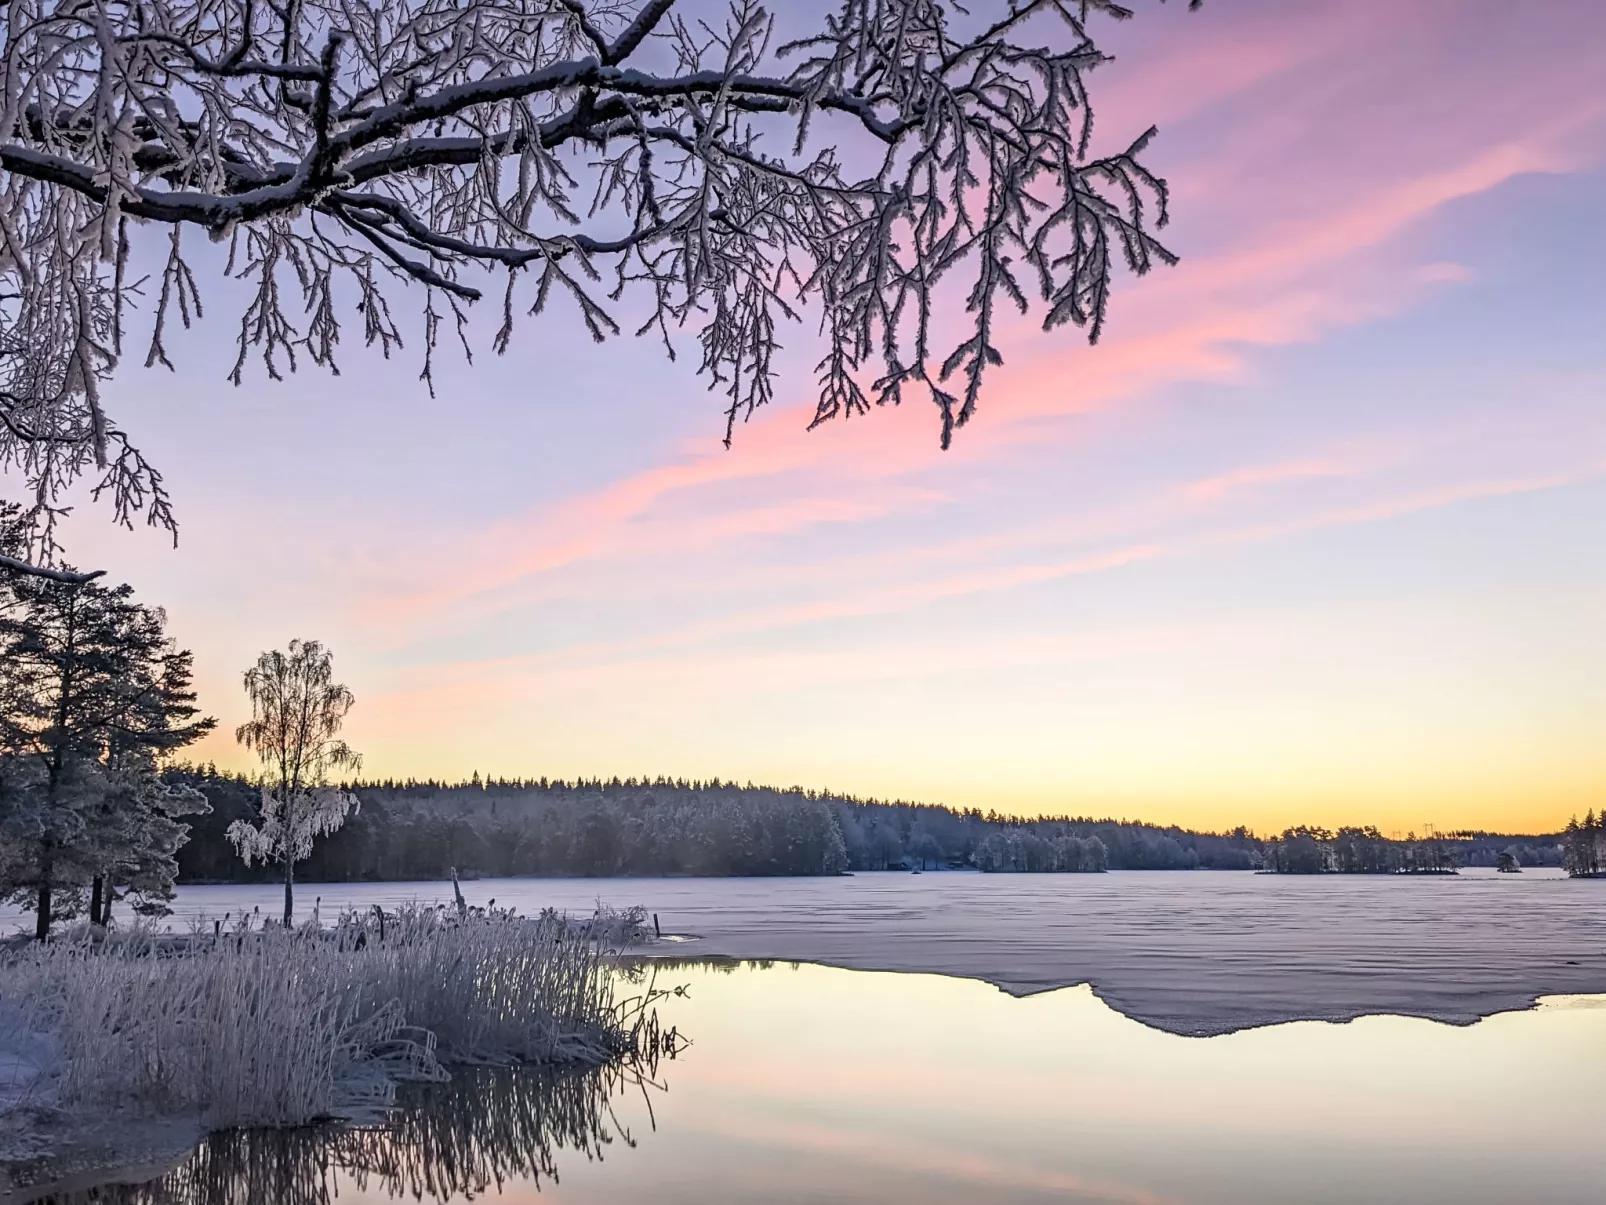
(289, 890)
(41, 926)
(96, 895)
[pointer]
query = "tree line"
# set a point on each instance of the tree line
(661, 826)
(1310, 849)
(407, 830)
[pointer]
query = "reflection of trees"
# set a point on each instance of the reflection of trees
(485, 1127)
(647, 965)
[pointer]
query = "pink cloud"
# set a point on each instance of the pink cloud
(1293, 285)
(1277, 283)
(1214, 489)
(662, 657)
(908, 595)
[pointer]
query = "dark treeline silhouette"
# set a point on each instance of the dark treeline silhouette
(421, 830)
(1307, 849)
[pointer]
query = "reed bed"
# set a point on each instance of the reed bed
(246, 1026)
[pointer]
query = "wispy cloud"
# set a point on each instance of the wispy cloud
(1321, 172)
(702, 649)
(1289, 285)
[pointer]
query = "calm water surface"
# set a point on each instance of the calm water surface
(809, 1084)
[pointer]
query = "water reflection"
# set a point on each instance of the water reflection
(485, 1129)
(808, 1085)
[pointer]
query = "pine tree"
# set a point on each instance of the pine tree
(94, 695)
(1578, 847)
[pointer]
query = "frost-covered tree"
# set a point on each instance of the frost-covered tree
(145, 814)
(297, 711)
(923, 847)
(42, 825)
(93, 694)
(1581, 846)
(902, 170)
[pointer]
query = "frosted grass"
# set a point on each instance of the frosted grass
(249, 1026)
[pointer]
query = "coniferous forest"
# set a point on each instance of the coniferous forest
(422, 830)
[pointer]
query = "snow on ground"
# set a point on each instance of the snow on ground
(1193, 953)
(23, 1056)
(50, 1156)
(44, 1150)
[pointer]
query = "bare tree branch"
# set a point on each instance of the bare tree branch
(596, 150)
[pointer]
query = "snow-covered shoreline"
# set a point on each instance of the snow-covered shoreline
(45, 1150)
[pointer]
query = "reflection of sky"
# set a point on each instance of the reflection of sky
(808, 1084)
(1311, 534)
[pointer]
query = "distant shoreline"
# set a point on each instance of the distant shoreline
(419, 831)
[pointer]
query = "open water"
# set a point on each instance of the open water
(806, 1084)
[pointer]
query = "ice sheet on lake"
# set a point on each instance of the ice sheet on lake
(1196, 953)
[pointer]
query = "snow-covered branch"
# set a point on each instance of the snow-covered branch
(290, 823)
(601, 149)
(18, 565)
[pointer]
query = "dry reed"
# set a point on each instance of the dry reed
(247, 1026)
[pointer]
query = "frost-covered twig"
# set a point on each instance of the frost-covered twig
(591, 150)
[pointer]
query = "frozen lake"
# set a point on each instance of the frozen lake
(1194, 953)
(809, 1084)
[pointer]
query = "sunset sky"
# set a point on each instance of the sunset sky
(1314, 533)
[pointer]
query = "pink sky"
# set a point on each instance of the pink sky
(1313, 533)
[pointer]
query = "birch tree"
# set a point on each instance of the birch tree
(903, 172)
(297, 711)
